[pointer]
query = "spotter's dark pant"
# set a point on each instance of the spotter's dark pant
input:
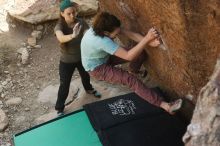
(66, 71)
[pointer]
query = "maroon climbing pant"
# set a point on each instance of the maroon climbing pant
(108, 72)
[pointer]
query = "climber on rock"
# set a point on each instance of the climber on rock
(100, 54)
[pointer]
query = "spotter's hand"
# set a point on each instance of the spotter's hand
(76, 30)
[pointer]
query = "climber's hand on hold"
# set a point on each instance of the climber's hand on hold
(154, 43)
(151, 35)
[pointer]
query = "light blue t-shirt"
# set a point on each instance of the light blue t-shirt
(96, 50)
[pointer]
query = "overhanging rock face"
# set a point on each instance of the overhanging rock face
(190, 30)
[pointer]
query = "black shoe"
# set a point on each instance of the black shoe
(95, 93)
(60, 113)
(144, 73)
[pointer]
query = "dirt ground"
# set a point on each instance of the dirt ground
(27, 80)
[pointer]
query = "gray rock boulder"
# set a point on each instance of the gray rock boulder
(39, 11)
(204, 128)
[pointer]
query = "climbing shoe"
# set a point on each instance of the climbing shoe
(95, 93)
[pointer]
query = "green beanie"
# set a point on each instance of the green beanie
(65, 4)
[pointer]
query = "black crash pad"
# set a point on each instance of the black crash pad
(128, 120)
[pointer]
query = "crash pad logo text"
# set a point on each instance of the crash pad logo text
(122, 107)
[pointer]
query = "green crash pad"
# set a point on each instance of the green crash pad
(71, 130)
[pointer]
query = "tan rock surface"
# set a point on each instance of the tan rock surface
(190, 30)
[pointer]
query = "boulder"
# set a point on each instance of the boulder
(190, 30)
(34, 12)
(87, 7)
(204, 129)
(39, 11)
